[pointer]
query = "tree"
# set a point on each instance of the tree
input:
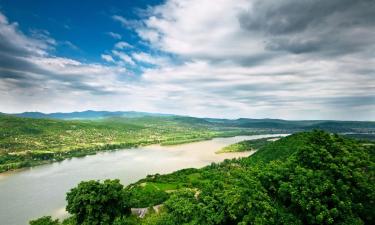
(94, 203)
(126, 220)
(45, 220)
(183, 207)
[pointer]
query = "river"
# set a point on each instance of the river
(39, 191)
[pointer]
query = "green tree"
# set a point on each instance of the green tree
(94, 203)
(126, 220)
(161, 218)
(45, 220)
(183, 206)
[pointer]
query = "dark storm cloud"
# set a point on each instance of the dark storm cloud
(333, 27)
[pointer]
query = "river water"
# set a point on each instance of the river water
(39, 191)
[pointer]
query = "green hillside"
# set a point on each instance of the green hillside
(247, 145)
(28, 141)
(306, 178)
(32, 141)
(282, 148)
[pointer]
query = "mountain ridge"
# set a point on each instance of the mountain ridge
(87, 114)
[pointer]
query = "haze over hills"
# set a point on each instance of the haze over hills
(268, 123)
(88, 114)
(44, 137)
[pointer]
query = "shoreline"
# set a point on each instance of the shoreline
(41, 190)
(88, 153)
(80, 154)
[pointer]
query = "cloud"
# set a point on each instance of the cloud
(27, 68)
(268, 58)
(331, 28)
(44, 36)
(124, 57)
(150, 59)
(107, 58)
(293, 59)
(12, 41)
(114, 35)
(122, 45)
(70, 45)
(126, 23)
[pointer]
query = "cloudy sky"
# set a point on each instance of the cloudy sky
(291, 59)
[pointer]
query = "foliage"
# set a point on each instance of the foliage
(126, 220)
(322, 179)
(161, 218)
(45, 220)
(28, 142)
(246, 145)
(281, 149)
(94, 203)
(306, 178)
(142, 197)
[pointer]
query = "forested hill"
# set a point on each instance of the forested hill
(29, 141)
(89, 114)
(32, 141)
(306, 178)
(278, 124)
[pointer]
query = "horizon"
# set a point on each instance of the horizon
(185, 115)
(172, 57)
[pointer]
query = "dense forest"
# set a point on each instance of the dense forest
(42, 139)
(305, 178)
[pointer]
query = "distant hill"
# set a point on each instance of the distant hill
(299, 125)
(89, 114)
(44, 137)
(241, 123)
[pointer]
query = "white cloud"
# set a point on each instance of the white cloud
(124, 57)
(125, 22)
(212, 60)
(14, 40)
(227, 68)
(114, 35)
(186, 28)
(107, 58)
(150, 59)
(122, 45)
(70, 45)
(3, 19)
(28, 72)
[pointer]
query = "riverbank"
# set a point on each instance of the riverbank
(36, 158)
(34, 192)
(248, 145)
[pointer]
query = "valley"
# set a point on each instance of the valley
(26, 142)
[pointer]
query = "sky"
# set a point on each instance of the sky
(289, 59)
